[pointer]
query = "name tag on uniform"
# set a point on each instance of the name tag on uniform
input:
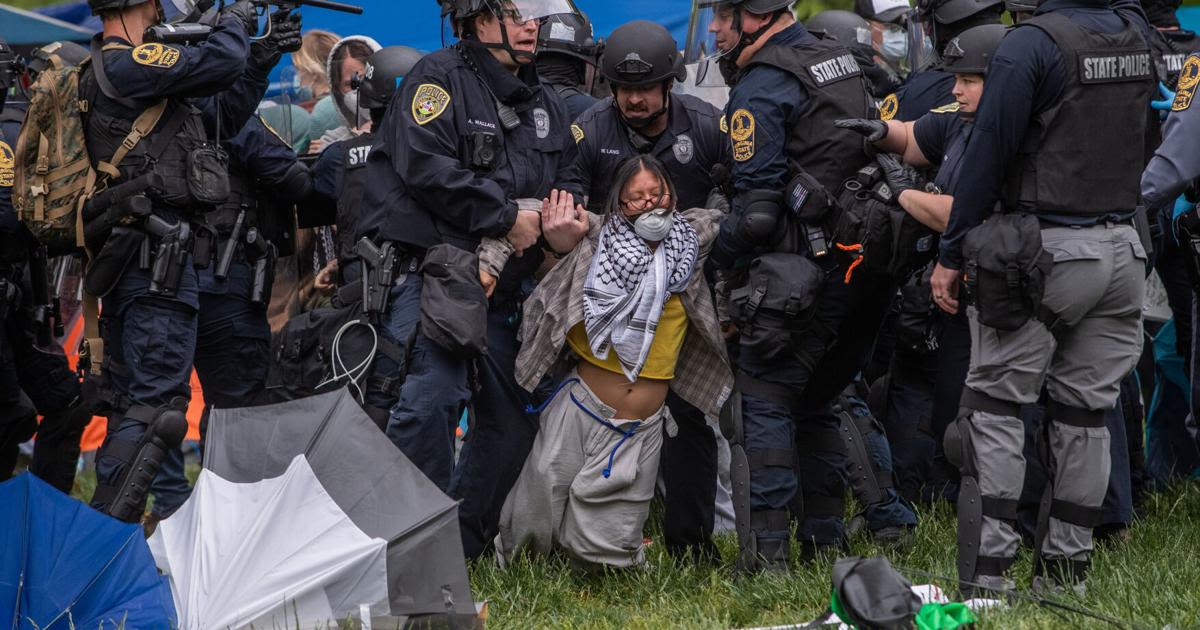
(358, 156)
(1108, 66)
(834, 70)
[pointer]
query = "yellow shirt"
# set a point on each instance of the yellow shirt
(664, 350)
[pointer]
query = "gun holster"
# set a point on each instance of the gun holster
(104, 271)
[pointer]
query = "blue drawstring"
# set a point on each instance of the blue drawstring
(625, 435)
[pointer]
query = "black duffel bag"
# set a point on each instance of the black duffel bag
(1006, 269)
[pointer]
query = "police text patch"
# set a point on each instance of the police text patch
(1189, 79)
(429, 102)
(1106, 66)
(741, 134)
(577, 133)
(156, 55)
(889, 107)
(833, 70)
(7, 161)
(356, 157)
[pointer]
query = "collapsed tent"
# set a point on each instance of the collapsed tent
(64, 565)
(306, 513)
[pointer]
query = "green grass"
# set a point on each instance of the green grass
(1153, 578)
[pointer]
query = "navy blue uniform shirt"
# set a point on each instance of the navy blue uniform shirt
(689, 148)
(922, 92)
(1025, 78)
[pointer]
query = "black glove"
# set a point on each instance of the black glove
(244, 11)
(872, 130)
(900, 177)
(284, 37)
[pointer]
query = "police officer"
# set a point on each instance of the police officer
(339, 174)
(1172, 171)
(1040, 147)
(35, 377)
(789, 160)
(149, 320)
(645, 117)
(1171, 43)
(941, 21)
(472, 131)
(930, 362)
(854, 32)
(248, 231)
(566, 59)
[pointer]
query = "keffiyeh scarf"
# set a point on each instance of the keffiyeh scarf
(627, 286)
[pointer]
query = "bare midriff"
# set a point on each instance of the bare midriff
(630, 401)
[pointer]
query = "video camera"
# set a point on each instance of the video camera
(194, 29)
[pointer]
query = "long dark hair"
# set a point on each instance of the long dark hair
(627, 170)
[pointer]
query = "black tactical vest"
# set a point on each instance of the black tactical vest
(1171, 50)
(243, 194)
(354, 184)
(836, 89)
(1083, 156)
(106, 124)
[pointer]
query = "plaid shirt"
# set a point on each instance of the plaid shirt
(702, 373)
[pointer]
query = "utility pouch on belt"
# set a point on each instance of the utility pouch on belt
(1006, 269)
(1142, 223)
(807, 199)
(105, 269)
(453, 304)
(208, 174)
(776, 302)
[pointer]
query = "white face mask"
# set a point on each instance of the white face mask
(655, 225)
(894, 46)
(350, 108)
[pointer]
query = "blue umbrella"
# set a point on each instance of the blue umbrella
(64, 565)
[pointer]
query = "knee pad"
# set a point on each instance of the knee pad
(124, 498)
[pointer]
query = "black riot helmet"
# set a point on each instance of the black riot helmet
(384, 71)
(847, 27)
(568, 34)
(947, 19)
(461, 12)
(641, 53)
(970, 52)
(112, 5)
(761, 7)
(9, 70)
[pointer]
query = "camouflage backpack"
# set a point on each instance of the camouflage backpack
(54, 175)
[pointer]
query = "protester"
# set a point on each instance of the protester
(628, 310)
(311, 65)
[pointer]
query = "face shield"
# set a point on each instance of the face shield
(710, 35)
(175, 11)
(522, 11)
(921, 54)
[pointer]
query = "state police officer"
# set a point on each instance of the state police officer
(641, 61)
(788, 88)
(472, 131)
(1065, 87)
(150, 305)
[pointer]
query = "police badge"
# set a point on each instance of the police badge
(541, 122)
(684, 149)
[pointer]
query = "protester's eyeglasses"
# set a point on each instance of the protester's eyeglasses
(646, 203)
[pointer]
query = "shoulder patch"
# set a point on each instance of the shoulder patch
(577, 133)
(948, 108)
(1189, 79)
(724, 124)
(741, 134)
(429, 102)
(889, 107)
(156, 55)
(7, 162)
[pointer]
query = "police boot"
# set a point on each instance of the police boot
(1058, 576)
(56, 450)
(774, 554)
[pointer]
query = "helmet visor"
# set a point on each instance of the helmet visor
(710, 35)
(524, 10)
(179, 10)
(921, 54)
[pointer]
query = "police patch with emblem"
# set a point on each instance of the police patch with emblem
(684, 149)
(577, 133)
(741, 134)
(429, 102)
(156, 55)
(1189, 78)
(541, 122)
(889, 107)
(7, 162)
